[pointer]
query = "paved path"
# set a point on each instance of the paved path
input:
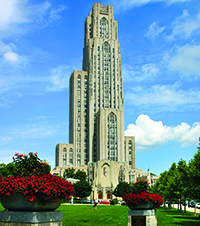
(191, 209)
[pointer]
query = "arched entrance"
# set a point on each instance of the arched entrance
(108, 195)
(100, 194)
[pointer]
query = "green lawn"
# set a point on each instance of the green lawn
(169, 217)
(85, 215)
(117, 215)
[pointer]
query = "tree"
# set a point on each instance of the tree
(182, 180)
(69, 173)
(140, 186)
(159, 186)
(122, 188)
(82, 189)
(3, 171)
(81, 175)
(194, 175)
(166, 185)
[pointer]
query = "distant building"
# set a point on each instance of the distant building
(154, 178)
(97, 143)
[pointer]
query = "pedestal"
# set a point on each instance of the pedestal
(142, 218)
(19, 218)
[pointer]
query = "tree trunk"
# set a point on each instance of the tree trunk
(180, 205)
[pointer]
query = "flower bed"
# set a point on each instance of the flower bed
(31, 177)
(44, 187)
(143, 197)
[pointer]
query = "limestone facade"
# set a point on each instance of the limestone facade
(97, 143)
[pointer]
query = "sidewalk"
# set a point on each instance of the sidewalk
(191, 209)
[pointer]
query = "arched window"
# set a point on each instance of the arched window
(100, 194)
(104, 29)
(106, 75)
(85, 120)
(130, 153)
(112, 152)
(108, 195)
(79, 120)
(64, 156)
(70, 156)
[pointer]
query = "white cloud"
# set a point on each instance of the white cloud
(154, 30)
(146, 72)
(15, 13)
(4, 48)
(122, 5)
(4, 140)
(185, 25)
(44, 14)
(59, 78)
(36, 132)
(12, 12)
(11, 57)
(186, 60)
(150, 134)
(160, 97)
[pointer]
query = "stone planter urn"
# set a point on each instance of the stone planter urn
(18, 202)
(142, 206)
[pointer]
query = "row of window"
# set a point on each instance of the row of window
(112, 151)
(64, 155)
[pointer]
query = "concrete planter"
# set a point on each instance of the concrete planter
(18, 202)
(142, 206)
(142, 217)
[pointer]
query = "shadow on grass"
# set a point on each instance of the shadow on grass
(188, 221)
(176, 217)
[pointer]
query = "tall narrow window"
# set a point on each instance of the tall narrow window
(106, 75)
(70, 156)
(64, 157)
(85, 121)
(79, 120)
(104, 30)
(130, 153)
(112, 151)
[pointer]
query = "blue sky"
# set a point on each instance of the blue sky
(41, 43)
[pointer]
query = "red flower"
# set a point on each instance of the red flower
(44, 187)
(134, 199)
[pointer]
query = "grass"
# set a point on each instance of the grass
(85, 215)
(172, 217)
(117, 215)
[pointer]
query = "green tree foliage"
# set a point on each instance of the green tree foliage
(81, 175)
(140, 186)
(181, 181)
(194, 175)
(3, 170)
(25, 165)
(159, 186)
(122, 188)
(171, 185)
(82, 189)
(69, 173)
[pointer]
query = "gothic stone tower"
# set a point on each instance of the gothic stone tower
(96, 118)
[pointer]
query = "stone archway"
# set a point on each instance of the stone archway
(100, 194)
(108, 195)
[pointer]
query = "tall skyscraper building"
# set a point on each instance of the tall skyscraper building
(96, 111)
